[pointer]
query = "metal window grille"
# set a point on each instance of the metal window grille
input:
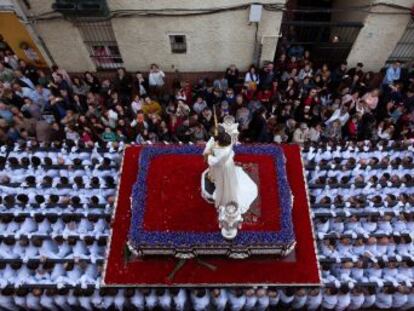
(100, 40)
(404, 50)
(328, 42)
(178, 44)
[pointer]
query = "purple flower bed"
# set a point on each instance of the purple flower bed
(139, 237)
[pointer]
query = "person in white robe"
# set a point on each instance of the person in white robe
(232, 184)
(237, 299)
(137, 300)
(200, 299)
(7, 300)
(218, 298)
(179, 297)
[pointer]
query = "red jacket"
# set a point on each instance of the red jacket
(352, 128)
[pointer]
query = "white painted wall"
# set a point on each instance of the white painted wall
(39, 6)
(65, 44)
(187, 4)
(378, 37)
(213, 41)
(6, 4)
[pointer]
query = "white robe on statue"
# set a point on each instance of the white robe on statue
(231, 182)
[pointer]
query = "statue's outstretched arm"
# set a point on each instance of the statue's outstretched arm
(209, 146)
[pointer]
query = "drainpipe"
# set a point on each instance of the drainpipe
(38, 40)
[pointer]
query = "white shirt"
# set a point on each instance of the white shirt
(356, 301)
(8, 275)
(44, 227)
(285, 299)
(101, 227)
(329, 301)
(410, 302)
(136, 106)
(58, 273)
(20, 301)
(313, 302)
(24, 276)
(299, 301)
(58, 226)
(236, 303)
(85, 302)
(48, 302)
(91, 275)
(220, 302)
(399, 300)
(84, 226)
(96, 251)
(33, 302)
(80, 250)
(251, 302)
(96, 299)
(119, 299)
(357, 274)
(30, 252)
(151, 300)
(262, 303)
(180, 300)
(74, 276)
(49, 249)
(251, 77)
(42, 277)
(383, 301)
(156, 78)
(6, 251)
(200, 303)
(138, 300)
(344, 301)
(7, 302)
(164, 301)
(107, 301)
(28, 226)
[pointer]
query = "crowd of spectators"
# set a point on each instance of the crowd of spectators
(289, 100)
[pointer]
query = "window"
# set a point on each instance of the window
(178, 44)
(100, 40)
(404, 50)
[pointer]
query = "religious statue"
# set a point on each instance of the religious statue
(230, 220)
(225, 183)
(231, 127)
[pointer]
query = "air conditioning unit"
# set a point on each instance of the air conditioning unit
(64, 7)
(83, 8)
(255, 13)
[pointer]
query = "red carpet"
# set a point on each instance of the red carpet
(178, 177)
(303, 269)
